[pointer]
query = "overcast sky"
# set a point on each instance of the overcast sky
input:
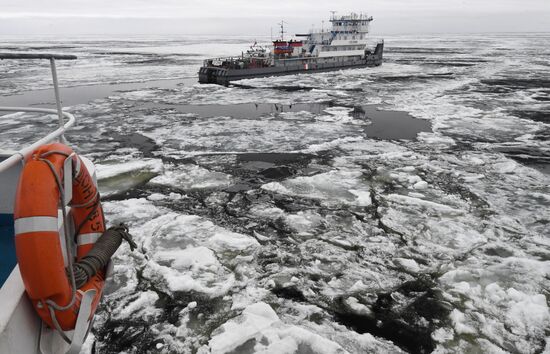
(237, 17)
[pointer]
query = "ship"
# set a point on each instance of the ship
(55, 254)
(345, 45)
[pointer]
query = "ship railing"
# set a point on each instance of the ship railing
(57, 134)
(233, 62)
(232, 59)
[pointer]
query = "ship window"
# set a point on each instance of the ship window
(353, 37)
(345, 37)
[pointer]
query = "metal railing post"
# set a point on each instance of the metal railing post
(57, 97)
(20, 155)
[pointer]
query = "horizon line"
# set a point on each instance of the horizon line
(3, 35)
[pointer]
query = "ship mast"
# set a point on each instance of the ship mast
(282, 24)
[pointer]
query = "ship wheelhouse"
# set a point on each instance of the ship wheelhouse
(348, 36)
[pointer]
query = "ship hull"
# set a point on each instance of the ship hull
(223, 76)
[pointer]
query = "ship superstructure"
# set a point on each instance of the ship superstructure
(345, 45)
(348, 37)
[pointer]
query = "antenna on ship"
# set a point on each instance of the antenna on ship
(333, 16)
(282, 24)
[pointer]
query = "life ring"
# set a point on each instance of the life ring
(45, 270)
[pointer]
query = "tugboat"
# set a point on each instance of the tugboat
(54, 249)
(344, 46)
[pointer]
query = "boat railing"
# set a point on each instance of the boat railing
(22, 154)
(242, 62)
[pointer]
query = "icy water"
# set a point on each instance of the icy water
(404, 208)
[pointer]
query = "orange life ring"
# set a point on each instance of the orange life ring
(38, 246)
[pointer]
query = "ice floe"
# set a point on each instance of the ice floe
(259, 330)
(333, 187)
(192, 177)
